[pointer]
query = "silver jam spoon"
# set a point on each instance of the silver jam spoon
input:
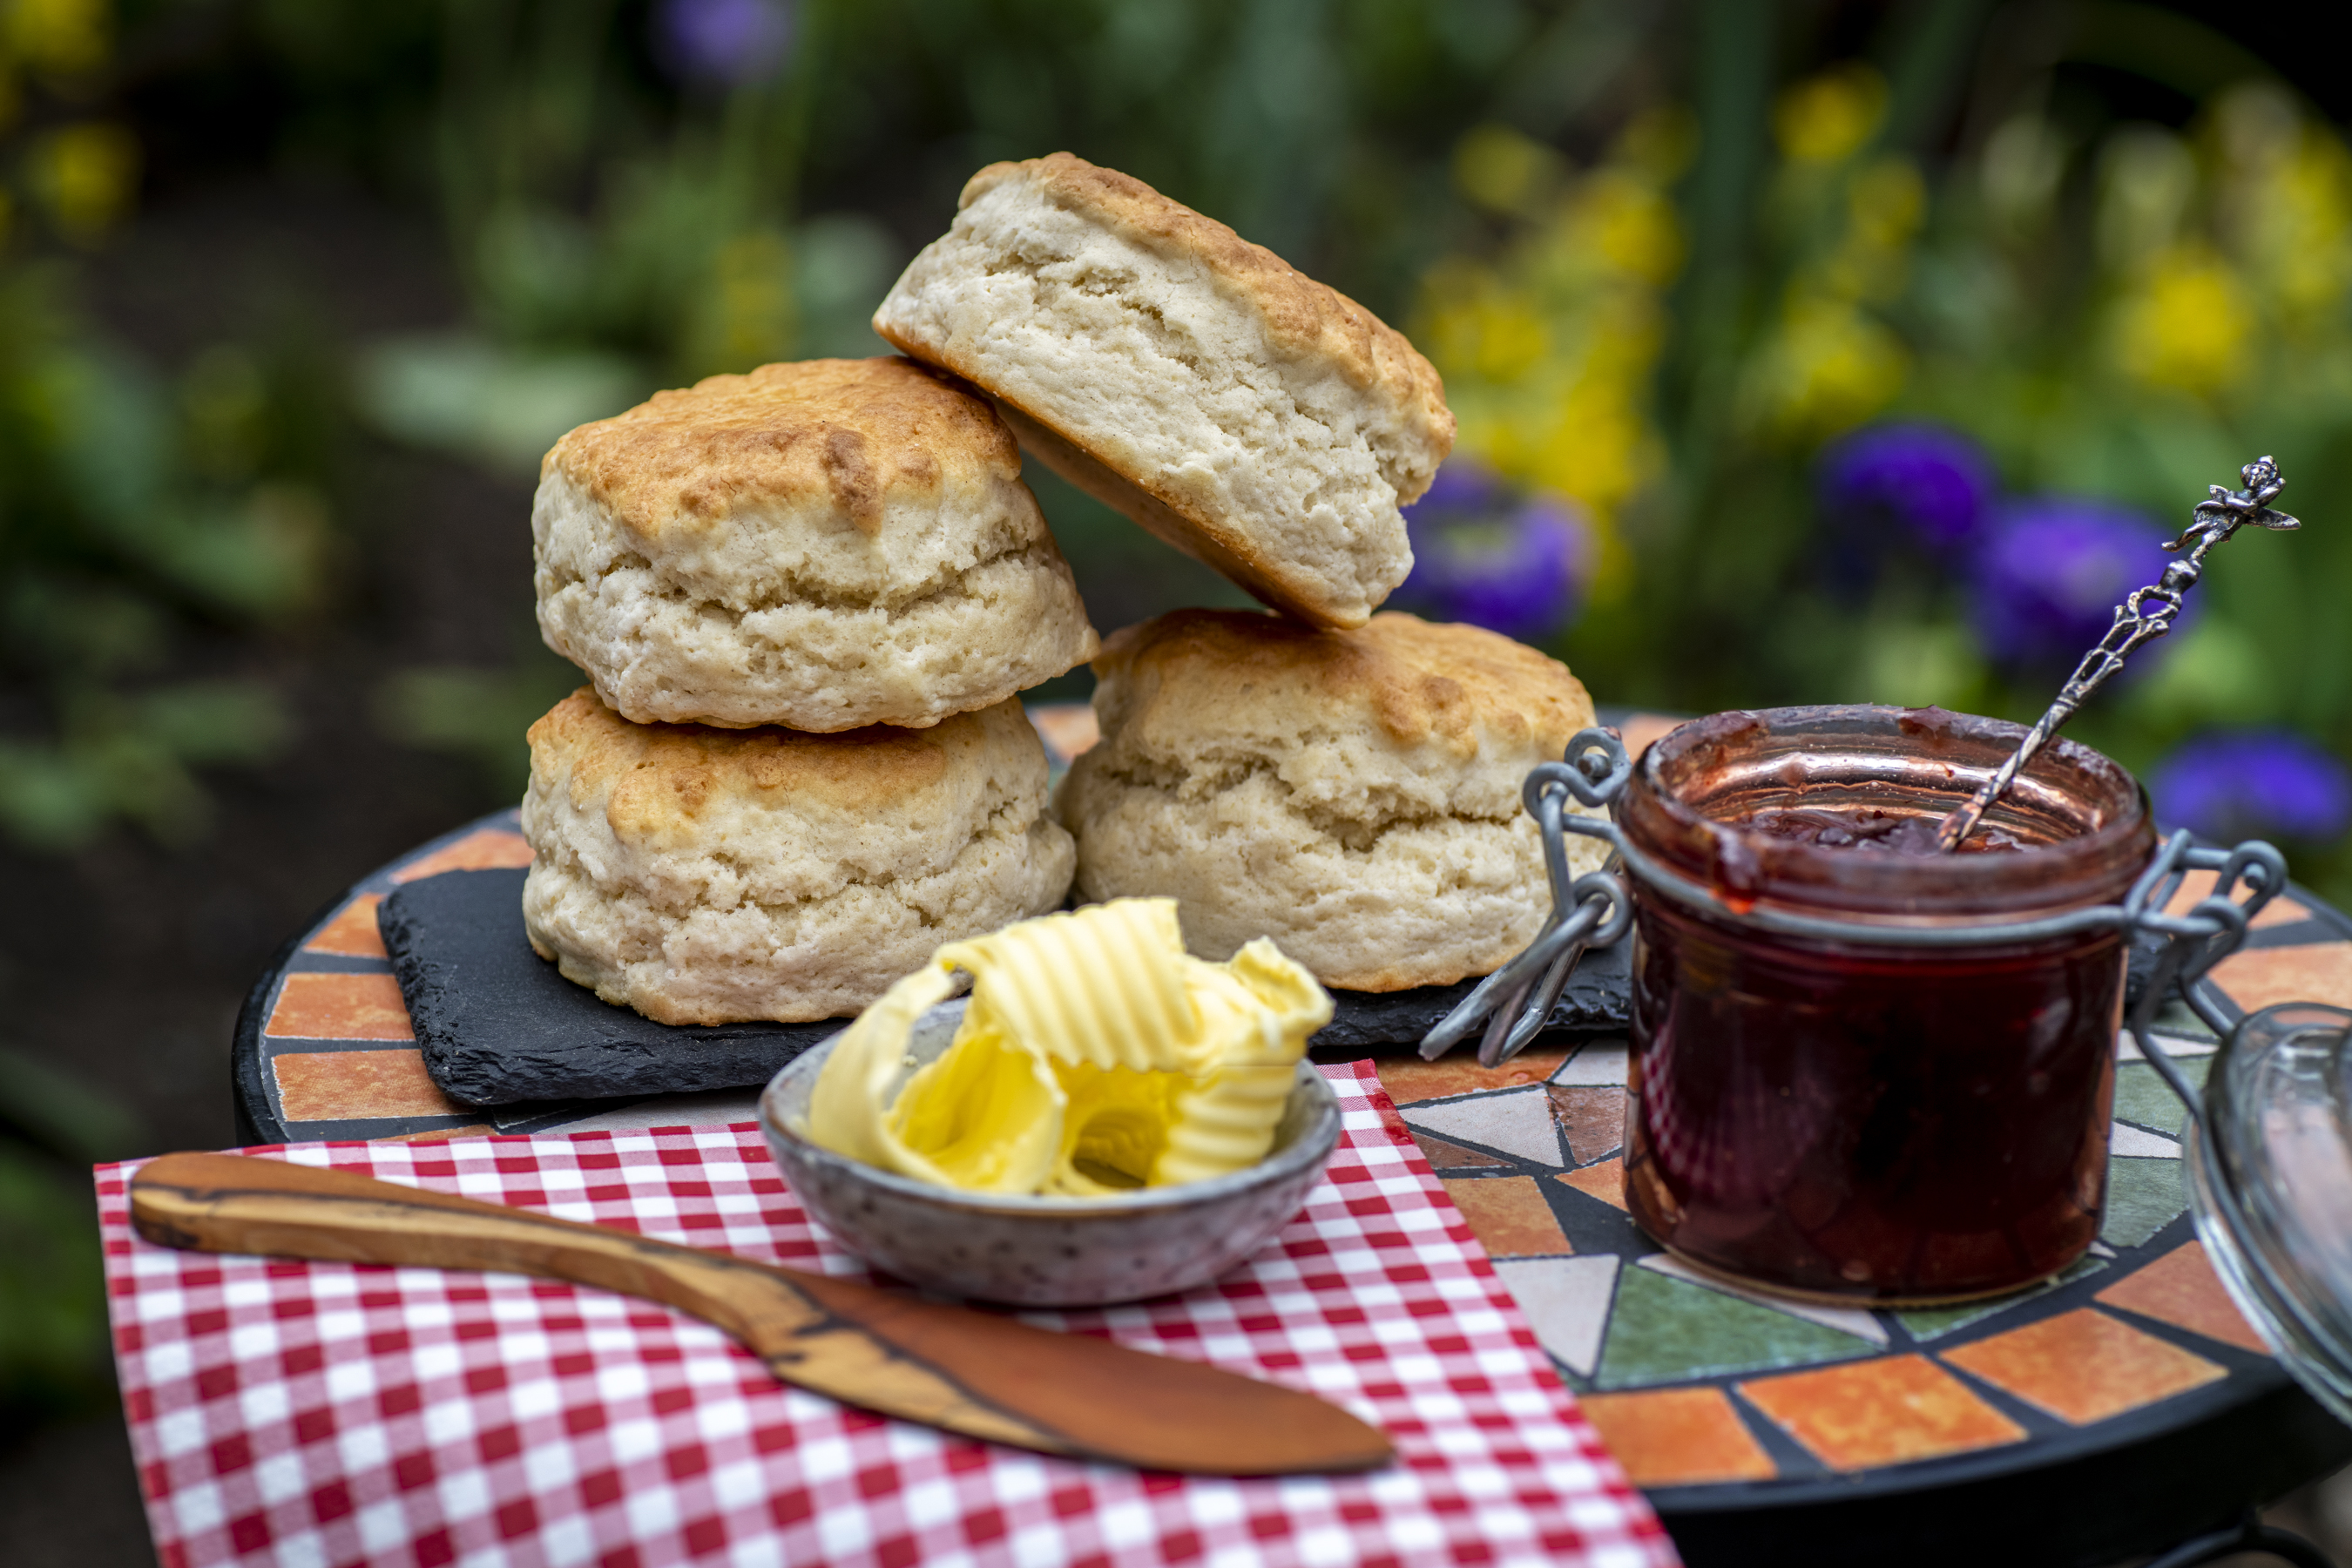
(2145, 613)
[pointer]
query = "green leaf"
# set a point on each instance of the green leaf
(477, 713)
(52, 1285)
(499, 406)
(215, 720)
(70, 1117)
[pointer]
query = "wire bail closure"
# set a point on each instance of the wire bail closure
(1592, 910)
(1596, 911)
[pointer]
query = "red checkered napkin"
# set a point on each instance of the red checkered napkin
(330, 1414)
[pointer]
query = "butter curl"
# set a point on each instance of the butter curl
(1095, 1055)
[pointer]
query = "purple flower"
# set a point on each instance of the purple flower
(722, 43)
(2048, 580)
(1931, 484)
(1513, 563)
(2230, 784)
(1461, 486)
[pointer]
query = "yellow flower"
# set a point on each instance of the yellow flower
(1656, 145)
(1631, 226)
(1501, 169)
(2185, 323)
(1548, 354)
(63, 37)
(1827, 117)
(2299, 234)
(1593, 450)
(1828, 368)
(1486, 329)
(1886, 202)
(749, 316)
(88, 175)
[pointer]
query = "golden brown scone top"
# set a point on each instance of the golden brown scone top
(1199, 672)
(664, 778)
(1308, 318)
(848, 432)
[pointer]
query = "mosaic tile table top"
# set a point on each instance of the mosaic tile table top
(1714, 1399)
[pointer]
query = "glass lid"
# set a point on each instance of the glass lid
(2271, 1172)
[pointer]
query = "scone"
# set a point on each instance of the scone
(710, 876)
(1353, 795)
(1226, 401)
(822, 545)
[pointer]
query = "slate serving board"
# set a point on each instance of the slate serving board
(497, 1025)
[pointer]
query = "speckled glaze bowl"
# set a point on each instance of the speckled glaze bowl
(1046, 1251)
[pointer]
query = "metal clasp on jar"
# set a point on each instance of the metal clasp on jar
(1596, 911)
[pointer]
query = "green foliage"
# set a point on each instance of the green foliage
(134, 512)
(1662, 254)
(616, 235)
(2113, 311)
(479, 714)
(52, 1294)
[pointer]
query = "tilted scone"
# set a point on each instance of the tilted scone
(822, 545)
(709, 875)
(1352, 795)
(1233, 406)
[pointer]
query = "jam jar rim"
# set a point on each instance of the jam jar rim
(2091, 868)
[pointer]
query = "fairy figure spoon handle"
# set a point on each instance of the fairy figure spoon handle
(2145, 613)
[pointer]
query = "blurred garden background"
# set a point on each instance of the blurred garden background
(1814, 351)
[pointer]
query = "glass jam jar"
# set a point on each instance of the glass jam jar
(1851, 1119)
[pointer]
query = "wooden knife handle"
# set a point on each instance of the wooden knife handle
(227, 1203)
(968, 1371)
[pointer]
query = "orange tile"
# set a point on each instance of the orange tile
(354, 1086)
(1677, 1437)
(2084, 1365)
(1592, 1120)
(2280, 911)
(1409, 1078)
(491, 849)
(1445, 1156)
(352, 931)
(1605, 1181)
(339, 1007)
(1509, 1216)
(2259, 979)
(1888, 1411)
(1069, 728)
(1640, 729)
(2181, 1289)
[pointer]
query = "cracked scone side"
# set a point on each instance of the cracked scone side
(709, 875)
(823, 545)
(1239, 409)
(1354, 795)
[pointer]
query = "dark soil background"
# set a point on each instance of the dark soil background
(125, 963)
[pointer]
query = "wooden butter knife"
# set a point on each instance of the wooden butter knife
(963, 1371)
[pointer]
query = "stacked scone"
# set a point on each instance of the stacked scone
(1345, 782)
(805, 598)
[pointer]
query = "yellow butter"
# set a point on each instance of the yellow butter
(1096, 1054)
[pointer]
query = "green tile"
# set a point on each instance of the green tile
(1935, 1322)
(2142, 1197)
(1664, 1330)
(2141, 1094)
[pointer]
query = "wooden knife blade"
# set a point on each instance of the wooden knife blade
(963, 1371)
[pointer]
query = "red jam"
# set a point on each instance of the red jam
(1869, 828)
(1859, 1120)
